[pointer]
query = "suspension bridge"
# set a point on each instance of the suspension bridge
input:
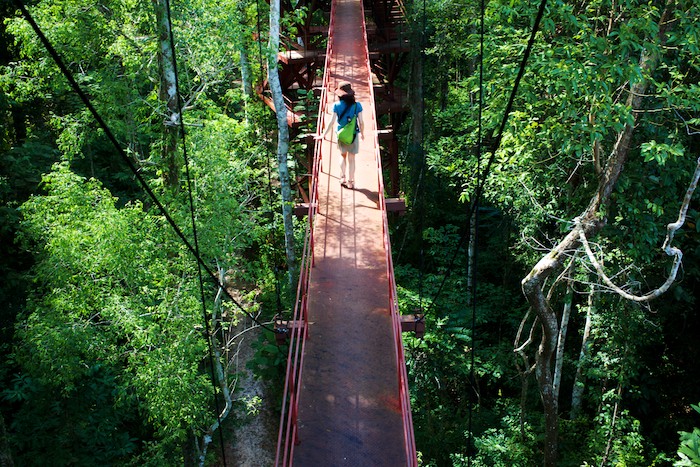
(346, 398)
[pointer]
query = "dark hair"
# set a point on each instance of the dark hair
(348, 99)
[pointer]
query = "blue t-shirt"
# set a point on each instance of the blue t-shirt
(339, 108)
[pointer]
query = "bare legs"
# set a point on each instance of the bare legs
(350, 159)
(342, 166)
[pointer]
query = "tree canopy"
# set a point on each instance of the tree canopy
(102, 327)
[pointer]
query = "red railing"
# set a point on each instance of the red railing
(404, 397)
(287, 437)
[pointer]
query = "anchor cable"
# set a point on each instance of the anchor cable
(474, 217)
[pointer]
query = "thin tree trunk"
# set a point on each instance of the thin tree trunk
(220, 375)
(168, 95)
(5, 456)
(590, 223)
(579, 380)
(564, 326)
(282, 138)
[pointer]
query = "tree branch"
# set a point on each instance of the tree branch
(672, 228)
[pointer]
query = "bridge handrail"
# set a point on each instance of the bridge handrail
(404, 397)
(295, 359)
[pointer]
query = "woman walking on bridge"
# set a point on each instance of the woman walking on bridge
(343, 112)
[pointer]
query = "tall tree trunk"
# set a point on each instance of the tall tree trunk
(579, 380)
(246, 73)
(168, 95)
(282, 138)
(590, 223)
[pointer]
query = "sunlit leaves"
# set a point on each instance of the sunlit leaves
(689, 450)
(112, 290)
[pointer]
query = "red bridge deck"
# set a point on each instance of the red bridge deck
(350, 395)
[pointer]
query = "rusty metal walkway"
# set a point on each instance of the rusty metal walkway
(346, 399)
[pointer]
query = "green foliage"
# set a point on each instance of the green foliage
(508, 445)
(616, 437)
(567, 106)
(20, 167)
(689, 450)
(269, 359)
(104, 46)
(23, 166)
(115, 290)
(107, 338)
(440, 370)
(567, 115)
(99, 303)
(81, 426)
(230, 168)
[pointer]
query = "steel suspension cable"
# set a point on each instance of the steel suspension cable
(195, 237)
(260, 50)
(110, 136)
(419, 200)
(496, 143)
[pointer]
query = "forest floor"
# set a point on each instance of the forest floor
(252, 436)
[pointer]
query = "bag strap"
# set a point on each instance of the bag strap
(346, 111)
